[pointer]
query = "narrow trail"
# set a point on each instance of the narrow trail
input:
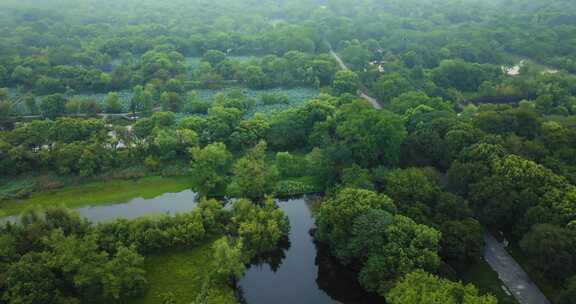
(362, 92)
(511, 274)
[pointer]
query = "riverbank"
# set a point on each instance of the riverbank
(97, 193)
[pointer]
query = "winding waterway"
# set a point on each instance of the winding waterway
(301, 272)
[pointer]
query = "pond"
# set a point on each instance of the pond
(167, 203)
(300, 272)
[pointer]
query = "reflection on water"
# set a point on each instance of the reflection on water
(168, 203)
(300, 272)
(339, 282)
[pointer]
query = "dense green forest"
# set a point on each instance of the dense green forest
(471, 129)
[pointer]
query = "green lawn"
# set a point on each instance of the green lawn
(487, 281)
(97, 193)
(182, 273)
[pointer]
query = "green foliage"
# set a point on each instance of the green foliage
(461, 75)
(252, 176)
(295, 187)
(210, 166)
(514, 162)
(356, 55)
(321, 168)
(519, 189)
(30, 280)
(141, 100)
(551, 250)
(184, 275)
(259, 227)
(53, 106)
(228, 261)
(249, 132)
(390, 86)
(416, 191)
(66, 259)
(346, 81)
(290, 165)
(366, 136)
(356, 177)
(274, 98)
(214, 57)
(171, 101)
(569, 292)
(407, 246)
(338, 212)
(112, 102)
(410, 100)
(17, 189)
(195, 105)
(420, 287)
(461, 242)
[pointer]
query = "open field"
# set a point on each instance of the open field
(181, 274)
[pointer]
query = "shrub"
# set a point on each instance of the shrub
(274, 98)
(292, 188)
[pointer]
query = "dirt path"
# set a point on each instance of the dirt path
(511, 274)
(362, 91)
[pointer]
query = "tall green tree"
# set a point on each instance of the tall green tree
(259, 226)
(407, 246)
(252, 176)
(210, 166)
(53, 106)
(228, 261)
(336, 214)
(346, 81)
(420, 287)
(112, 102)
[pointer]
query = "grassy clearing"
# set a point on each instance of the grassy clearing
(487, 281)
(97, 193)
(182, 274)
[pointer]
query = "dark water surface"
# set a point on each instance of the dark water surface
(302, 273)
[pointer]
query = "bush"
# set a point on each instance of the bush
(274, 98)
(197, 107)
(17, 189)
(126, 173)
(175, 170)
(292, 188)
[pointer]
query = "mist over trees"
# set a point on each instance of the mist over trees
(421, 125)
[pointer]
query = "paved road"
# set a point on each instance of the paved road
(362, 91)
(513, 276)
